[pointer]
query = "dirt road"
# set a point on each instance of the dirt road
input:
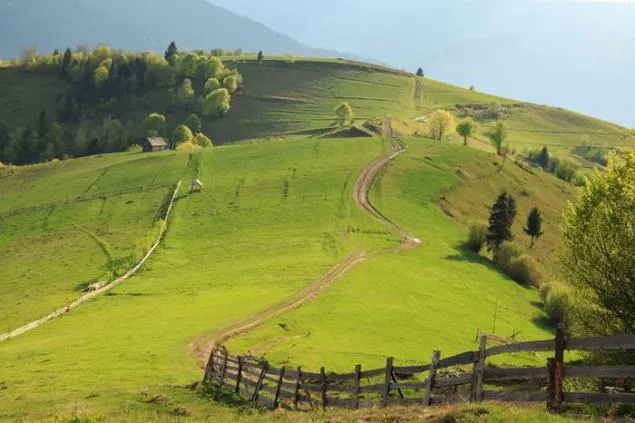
(202, 346)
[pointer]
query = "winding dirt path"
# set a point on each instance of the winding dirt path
(202, 346)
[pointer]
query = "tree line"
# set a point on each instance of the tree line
(101, 85)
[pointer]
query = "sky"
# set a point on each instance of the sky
(578, 54)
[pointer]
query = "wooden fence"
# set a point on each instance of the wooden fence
(461, 378)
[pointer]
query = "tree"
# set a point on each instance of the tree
(185, 92)
(543, 158)
(231, 83)
(201, 140)
(534, 225)
(211, 67)
(441, 125)
(212, 84)
(216, 103)
(154, 125)
(466, 128)
(598, 253)
(67, 61)
(181, 134)
(171, 53)
(498, 137)
(500, 221)
(194, 123)
(261, 57)
(420, 73)
(217, 52)
(344, 115)
(189, 65)
(101, 75)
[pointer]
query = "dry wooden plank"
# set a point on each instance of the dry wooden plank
(344, 377)
(248, 382)
(340, 389)
(528, 396)
(436, 356)
(515, 373)
(290, 374)
(372, 373)
(310, 375)
(453, 381)
(379, 387)
(613, 342)
(600, 371)
(410, 385)
(410, 370)
(311, 387)
(599, 398)
(456, 360)
(531, 346)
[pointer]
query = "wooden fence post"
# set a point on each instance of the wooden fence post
(356, 385)
(223, 371)
(558, 393)
(209, 369)
(427, 397)
(261, 380)
(275, 400)
(478, 374)
(387, 382)
(239, 375)
(324, 387)
(296, 394)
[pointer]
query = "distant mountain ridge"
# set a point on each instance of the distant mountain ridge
(137, 25)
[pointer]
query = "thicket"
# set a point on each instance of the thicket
(100, 85)
(563, 169)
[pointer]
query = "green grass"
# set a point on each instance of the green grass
(400, 305)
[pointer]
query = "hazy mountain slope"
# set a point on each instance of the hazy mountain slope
(575, 54)
(135, 25)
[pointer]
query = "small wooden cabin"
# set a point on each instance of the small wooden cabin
(154, 144)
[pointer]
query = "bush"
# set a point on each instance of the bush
(477, 237)
(544, 291)
(134, 148)
(506, 252)
(525, 270)
(557, 303)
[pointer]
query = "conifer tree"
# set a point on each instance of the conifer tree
(500, 221)
(170, 53)
(67, 61)
(534, 225)
(543, 158)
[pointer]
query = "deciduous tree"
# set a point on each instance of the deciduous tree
(441, 125)
(155, 125)
(180, 135)
(344, 114)
(498, 136)
(217, 103)
(194, 123)
(466, 128)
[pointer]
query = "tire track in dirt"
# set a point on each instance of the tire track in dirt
(202, 346)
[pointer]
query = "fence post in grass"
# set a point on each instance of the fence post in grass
(356, 386)
(221, 376)
(387, 382)
(478, 374)
(261, 380)
(558, 371)
(296, 394)
(209, 369)
(239, 375)
(324, 387)
(275, 400)
(427, 397)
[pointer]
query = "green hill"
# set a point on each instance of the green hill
(274, 215)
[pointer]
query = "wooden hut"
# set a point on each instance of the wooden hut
(152, 144)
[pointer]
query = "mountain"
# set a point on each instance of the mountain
(136, 25)
(571, 53)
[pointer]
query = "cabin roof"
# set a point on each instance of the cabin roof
(156, 142)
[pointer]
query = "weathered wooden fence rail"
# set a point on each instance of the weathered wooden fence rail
(443, 381)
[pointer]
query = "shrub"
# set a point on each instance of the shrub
(477, 237)
(506, 252)
(202, 140)
(525, 270)
(187, 146)
(134, 148)
(557, 303)
(565, 170)
(544, 291)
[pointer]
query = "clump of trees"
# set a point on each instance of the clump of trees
(561, 168)
(186, 136)
(103, 82)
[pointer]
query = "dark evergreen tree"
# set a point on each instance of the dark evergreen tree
(43, 125)
(420, 72)
(170, 53)
(67, 62)
(500, 221)
(534, 225)
(543, 158)
(261, 57)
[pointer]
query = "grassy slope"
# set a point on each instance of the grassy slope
(234, 249)
(398, 305)
(49, 252)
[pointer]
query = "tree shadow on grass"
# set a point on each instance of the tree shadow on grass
(543, 323)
